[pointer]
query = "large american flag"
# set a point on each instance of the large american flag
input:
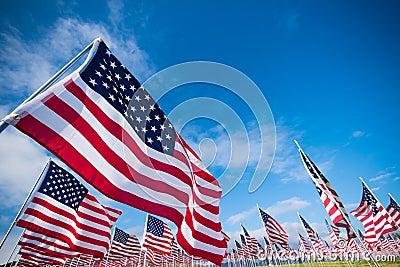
(63, 208)
(394, 212)
(330, 199)
(373, 216)
(158, 235)
(109, 130)
(275, 232)
(332, 234)
(123, 245)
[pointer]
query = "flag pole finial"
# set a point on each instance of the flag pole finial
(99, 40)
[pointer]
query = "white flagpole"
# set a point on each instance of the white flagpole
(51, 81)
(344, 216)
(40, 178)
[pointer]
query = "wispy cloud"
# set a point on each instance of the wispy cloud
(239, 217)
(27, 64)
(375, 189)
(351, 206)
(382, 176)
(357, 134)
(291, 204)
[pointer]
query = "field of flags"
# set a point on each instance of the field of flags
(105, 126)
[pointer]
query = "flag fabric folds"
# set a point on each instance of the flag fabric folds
(394, 212)
(158, 235)
(303, 245)
(124, 245)
(109, 130)
(330, 199)
(311, 234)
(373, 216)
(275, 232)
(332, 234)
(62, 208)
(46, 245)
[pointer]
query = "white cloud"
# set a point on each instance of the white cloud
(357, 134)
(382, 176)
(21, 163)
(291, 204)
(375, 189)
(25, 65)
(239, 217)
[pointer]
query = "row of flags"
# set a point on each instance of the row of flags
(63, 221)
(107, 128)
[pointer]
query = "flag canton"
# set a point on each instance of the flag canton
(155, 226)
(245, 231)
(243, 239)
(238, 246)
(107, 76)
(120, 236)
(328, 226)
(394, 205)
(63, 187)
(370, 199)
(264, 216)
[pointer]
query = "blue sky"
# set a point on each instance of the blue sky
(329, 71)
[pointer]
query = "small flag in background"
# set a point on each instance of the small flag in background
(63, 208)
(124, 245)
(310, 233)
(332, 235)
(109, 130)
(373, 216)
(275, 232)
(394, 212)
(158, 235)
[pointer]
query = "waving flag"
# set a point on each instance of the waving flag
(332, 235)
(109, 130)
(63, 208)
(158, 236)
(394, 211)
(303, 245)
(330, 199)
(311, 234)
(373, 216)
(275, 232)
(251, 242)
(124, 245)
(46, 245)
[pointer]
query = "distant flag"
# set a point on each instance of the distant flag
(108, 129)
(124, 245)
(304, 246)
(310, 233)
(245, 247)
(332, 234)
(63, 208)
(154, 257)
(275, 232)
(251, 242)
(158, 236)
(373, 216)
(174, 249)
(330, 199)
(239, 249)
(46, 245)
(394, 211)
(268, 247)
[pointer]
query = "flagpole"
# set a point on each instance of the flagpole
(344, 215)
(24, 204)
(49, 82)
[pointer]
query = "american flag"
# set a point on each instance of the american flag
(47, 245)
(276, 234)
(268, 247)
(63, 208)
(310, 233)
(158, 235)
(251, 242)
(330, 199)
(124, 245)
(332, 235)
(246, 249)
(154, 257)
(32, 257)
(174, 249)
(373, 216)
(239, 249)
(394, 212)
(303, 245)
(109, 130)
